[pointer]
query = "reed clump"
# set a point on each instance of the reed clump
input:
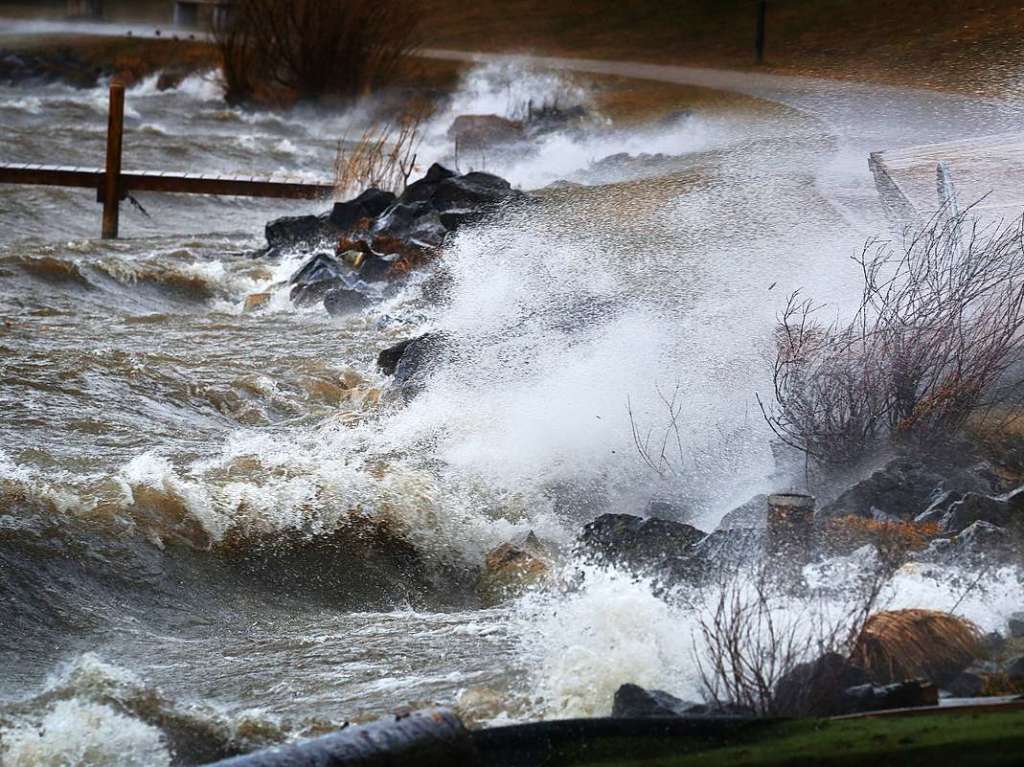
(383, 157)
(906, 644)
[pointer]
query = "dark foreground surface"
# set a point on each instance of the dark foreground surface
(991, 737)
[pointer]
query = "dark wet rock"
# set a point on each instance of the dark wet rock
(753, 514)
(50, 67)
(409, 358)
(417, 223)
(912, 693)
(367, 205)
(984, 540)
(818, 687)
(643, 544)
(317, 268)
(320, 274)
(1014, 669)
(972, 681)
(473, 191)
(475, 132)
(301, 232)
(314, 292)
(636, 702)
(343, 300)
(981, 543)
(1015, 624)
(973, 507)
(388, 359)
(375, 268)
(967, 684)
(906, 487)
(445, 192)
(725, 551)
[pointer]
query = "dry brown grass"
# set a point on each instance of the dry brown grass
(893, 540)
(907, 644)
(383, 157)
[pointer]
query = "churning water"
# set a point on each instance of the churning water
(216, 527)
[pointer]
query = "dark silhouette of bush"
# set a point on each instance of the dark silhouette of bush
(308, 49)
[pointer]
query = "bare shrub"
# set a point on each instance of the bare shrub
(939, 323)
(755, 634)
(384, 157)
(316, 48)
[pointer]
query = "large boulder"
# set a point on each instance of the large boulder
(907, 486)
(446, 192)
(817, 688)
(1001, 510)
(319, 274)
(633, 701)
(367, 205)
(415, 223)
(751, 515)
(409, 358)
(301, 232)
(642, 544)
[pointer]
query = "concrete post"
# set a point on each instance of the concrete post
(790, 533)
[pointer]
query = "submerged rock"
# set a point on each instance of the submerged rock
(512, 568)
(255, 301)
(345, 300)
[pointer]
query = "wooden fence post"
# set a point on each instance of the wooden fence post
(762, 13)
(112, 177)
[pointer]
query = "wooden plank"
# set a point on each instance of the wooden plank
(161, 181)
(985, 168)
(50, 176)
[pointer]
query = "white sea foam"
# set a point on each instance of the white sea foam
(74, 732)
(585, 644)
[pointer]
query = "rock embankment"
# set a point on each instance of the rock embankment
(378, 237)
